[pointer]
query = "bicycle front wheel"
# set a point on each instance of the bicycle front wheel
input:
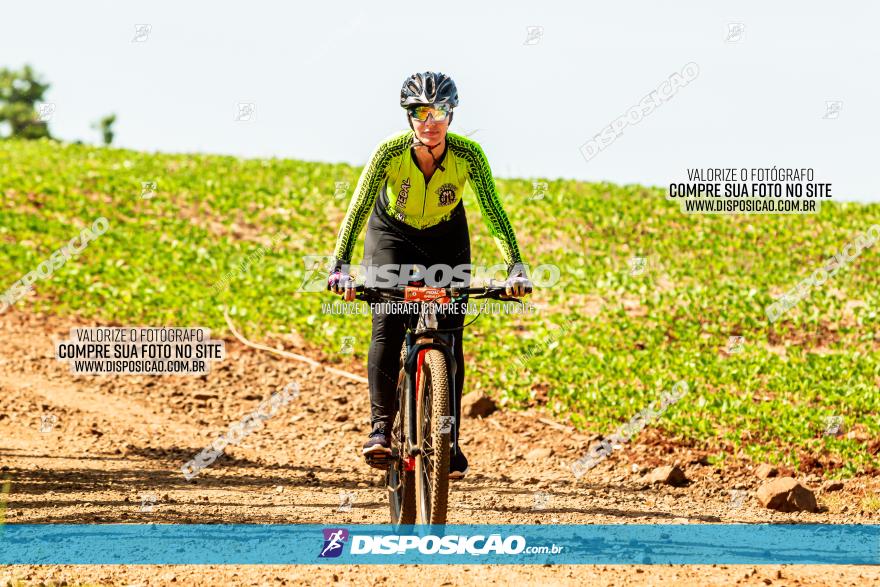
(434, 430)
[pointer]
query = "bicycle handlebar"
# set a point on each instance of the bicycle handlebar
(368, 294)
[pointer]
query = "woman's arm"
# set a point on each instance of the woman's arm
(364, 197)
(483, 184)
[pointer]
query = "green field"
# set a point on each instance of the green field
(627, 337)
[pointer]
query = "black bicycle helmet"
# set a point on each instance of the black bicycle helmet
(428, 88)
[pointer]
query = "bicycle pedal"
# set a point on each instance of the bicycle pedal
(379, 461)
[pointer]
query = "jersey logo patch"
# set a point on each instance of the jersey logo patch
(446, 193)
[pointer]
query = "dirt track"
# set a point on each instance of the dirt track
(119, 438)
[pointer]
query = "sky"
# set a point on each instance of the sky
(784, 84)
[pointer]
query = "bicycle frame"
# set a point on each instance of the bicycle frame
(424, 337)
(406, 477)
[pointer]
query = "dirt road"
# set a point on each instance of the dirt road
(108, 449)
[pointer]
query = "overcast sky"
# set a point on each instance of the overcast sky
(324, 79)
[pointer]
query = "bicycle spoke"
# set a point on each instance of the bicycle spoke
(427, 435)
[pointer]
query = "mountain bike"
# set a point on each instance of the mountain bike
(423, 435)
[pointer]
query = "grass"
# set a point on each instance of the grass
(626, 338)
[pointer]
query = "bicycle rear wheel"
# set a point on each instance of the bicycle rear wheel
(432, 463)
(401, 484)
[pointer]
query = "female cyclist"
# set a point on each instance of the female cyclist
(411, 190)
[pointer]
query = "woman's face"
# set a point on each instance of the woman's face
(430, 132)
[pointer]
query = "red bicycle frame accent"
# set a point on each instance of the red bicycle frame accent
(409, 462)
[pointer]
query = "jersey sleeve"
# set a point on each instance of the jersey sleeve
(483, 184)
(361, 203)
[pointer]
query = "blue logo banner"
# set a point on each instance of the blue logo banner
(134, 544)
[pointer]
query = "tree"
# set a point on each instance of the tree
(20, 91)
(105, 125)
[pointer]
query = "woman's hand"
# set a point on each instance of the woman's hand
(518, 284)
(518, 287)
(342, 284)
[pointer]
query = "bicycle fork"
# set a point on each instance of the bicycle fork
(417, 345)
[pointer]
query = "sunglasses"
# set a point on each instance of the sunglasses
(438, 112)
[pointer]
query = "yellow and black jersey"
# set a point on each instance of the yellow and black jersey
(393, 184)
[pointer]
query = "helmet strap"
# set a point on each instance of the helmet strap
(437, 164)
(416, 142)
